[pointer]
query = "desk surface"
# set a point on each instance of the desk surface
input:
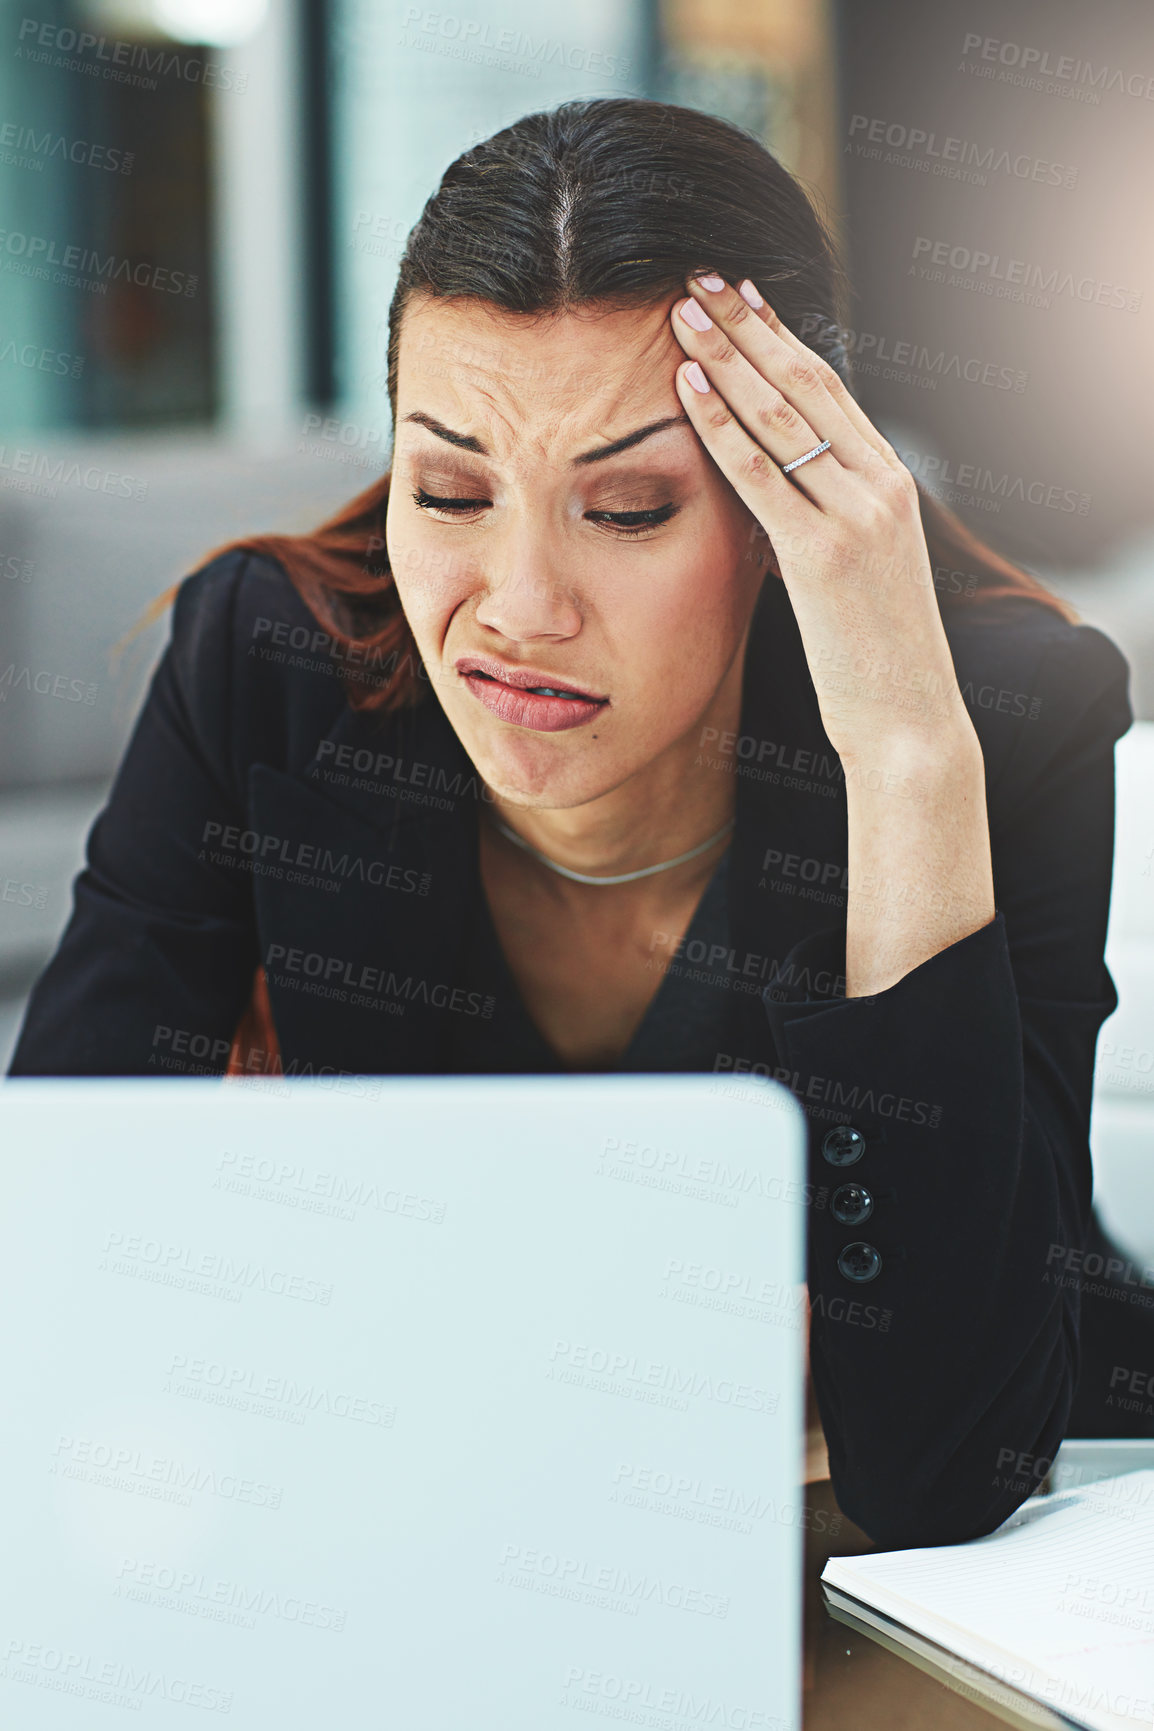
(852, 1680)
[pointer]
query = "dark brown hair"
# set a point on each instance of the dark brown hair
(611, 202)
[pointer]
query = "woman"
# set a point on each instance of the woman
(674, 730)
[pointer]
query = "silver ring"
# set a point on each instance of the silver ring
(808, 458)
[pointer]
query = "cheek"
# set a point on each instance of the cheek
(692, 620)
(674, 647)
(431, 579)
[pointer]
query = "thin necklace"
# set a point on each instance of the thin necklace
(622, 877)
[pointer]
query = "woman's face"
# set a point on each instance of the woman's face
(577, 573)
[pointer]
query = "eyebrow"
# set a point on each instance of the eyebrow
(467, 442)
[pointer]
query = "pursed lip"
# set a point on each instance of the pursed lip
(524, 678)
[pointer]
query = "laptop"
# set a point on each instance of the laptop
(415, 1403)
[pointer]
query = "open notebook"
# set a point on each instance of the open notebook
(1057, 1604)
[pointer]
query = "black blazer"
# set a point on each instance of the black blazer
(250, 785)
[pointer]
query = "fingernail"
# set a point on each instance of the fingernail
(749, 294)
(713, 282)
(694, 376)
(696, 316)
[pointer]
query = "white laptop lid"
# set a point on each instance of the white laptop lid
(413, 1403)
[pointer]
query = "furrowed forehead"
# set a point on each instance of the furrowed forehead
(566, 382)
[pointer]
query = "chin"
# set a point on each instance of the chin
(540, 772)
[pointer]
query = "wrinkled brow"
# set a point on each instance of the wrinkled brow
(468, 442)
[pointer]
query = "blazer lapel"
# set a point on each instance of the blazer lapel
(366, 894)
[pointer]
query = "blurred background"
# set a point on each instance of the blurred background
(203, 206)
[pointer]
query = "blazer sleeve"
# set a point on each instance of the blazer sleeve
(944, 1381)
(156, 964)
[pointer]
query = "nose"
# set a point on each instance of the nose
(526, 595)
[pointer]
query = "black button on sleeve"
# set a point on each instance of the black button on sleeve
(860, 1262)
(843, 1145)
(851, 1204)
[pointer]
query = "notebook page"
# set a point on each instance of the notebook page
(1059, 1602)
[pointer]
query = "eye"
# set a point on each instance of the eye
(620, 522)
(633, 522)
(453, 507)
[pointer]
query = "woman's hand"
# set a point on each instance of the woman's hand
(844, 528)
(847, 541)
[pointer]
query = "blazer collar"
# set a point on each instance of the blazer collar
(399, 773)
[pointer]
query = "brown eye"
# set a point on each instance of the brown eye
(430, 502)
(633, 522)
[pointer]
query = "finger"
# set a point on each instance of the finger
(767, 415)
(753, 474)
(836, 386)
(795, 371)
